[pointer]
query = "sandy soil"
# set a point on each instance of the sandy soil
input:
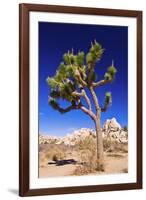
(51, 171)
(114, 163)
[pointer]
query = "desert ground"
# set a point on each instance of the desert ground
(76, 161)
(75, 153)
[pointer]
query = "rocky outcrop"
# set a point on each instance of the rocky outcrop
(47, 139)
(112, 125)
(78, 135)
(111, 130)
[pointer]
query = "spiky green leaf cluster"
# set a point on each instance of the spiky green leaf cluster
(108, 98)
(107, 102)
(66, 79)
(110, 74)
(53, 103)
(70, 59)
(52, 82)
(95, 54)
(61, 89)
(74, 64)
(68, 76)
(79, 59)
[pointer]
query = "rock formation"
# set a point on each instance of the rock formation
(111, 130)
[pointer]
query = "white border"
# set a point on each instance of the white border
(130, 177)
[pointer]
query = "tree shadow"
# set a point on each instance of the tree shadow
(63, 162)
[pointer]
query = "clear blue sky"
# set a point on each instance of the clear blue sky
(57, 38)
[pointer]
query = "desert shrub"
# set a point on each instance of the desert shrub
(57, 156)
(114, 146)
(87, 162)
(42, 159)
(81, 170)
(87, 153)
(88, 143)
(53, 141)
(55, 153)
(125, 170)
(106, 144)
(119, 147)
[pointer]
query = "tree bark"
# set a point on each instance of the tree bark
(100, 152)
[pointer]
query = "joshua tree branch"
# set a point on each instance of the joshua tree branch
(78, 75)
(101, 82)
(88, 112)
(77, 94)
(87, 99)
(83, 94)
(104, 109)
(94, 99)
(107, 102)
(69, 108)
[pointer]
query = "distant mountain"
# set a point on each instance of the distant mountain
(111, 129)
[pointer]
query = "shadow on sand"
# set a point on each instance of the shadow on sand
(62, 162)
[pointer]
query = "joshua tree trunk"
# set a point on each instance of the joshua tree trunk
(100, 154)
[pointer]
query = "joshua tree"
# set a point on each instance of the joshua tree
(76, 81)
